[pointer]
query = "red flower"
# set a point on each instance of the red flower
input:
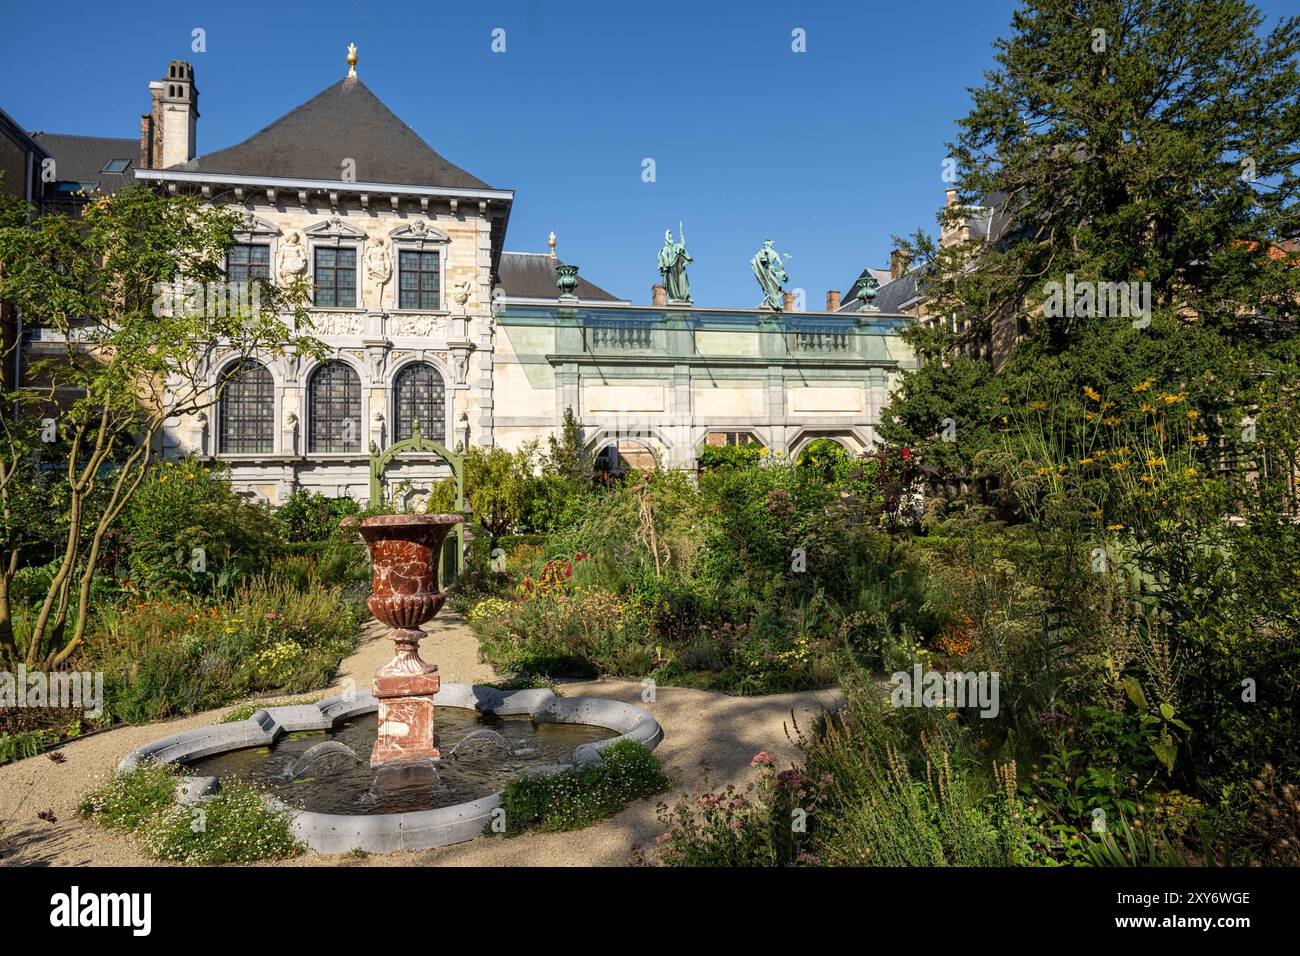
(762, 758)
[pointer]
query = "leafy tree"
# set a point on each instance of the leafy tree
(499, 484)
(567, 457)
(127, 361)
(1122, 141)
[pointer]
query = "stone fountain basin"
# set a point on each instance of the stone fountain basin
(385, 833)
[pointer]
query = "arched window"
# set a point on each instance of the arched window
(246, 411)
(334, 406)
(419, 396)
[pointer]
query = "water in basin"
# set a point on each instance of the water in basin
(329, 771)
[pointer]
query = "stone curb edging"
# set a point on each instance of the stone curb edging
(385, 833)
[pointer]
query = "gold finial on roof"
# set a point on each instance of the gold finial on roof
(551, 242)
(352, 59)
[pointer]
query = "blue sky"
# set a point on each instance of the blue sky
(828, 152)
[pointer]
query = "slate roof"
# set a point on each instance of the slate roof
(81, 159)
(531, 275)
(343, 121)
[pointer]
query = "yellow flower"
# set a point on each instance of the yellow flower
(1037, 406)
(1153, 462)
(1199, 439)
(1190, 472)
(1119, 466)
(1122, 450)
(1149, 409)
(1171, 398)
(1088, 416)
(1087, 461)
(1092, 393)
(1043, 471)
(1113, 420)
(1106, 405)
(1193, 414)
(1149, 479)
(1114, 527)
(1143, 386)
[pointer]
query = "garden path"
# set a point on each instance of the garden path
(707, 735)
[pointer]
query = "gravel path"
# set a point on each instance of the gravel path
(707, 734)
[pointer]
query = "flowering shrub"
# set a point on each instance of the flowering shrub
(579, 796)
(766, 824)
(233, 826)
(188, 532)
(166, 658)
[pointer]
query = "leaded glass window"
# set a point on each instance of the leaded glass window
(335, 277)
(419, 280)
(420, 395)
(246, 411)
(245, 262)
(334, 401)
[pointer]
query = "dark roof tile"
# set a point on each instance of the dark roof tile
(344, 121)
(531, 275)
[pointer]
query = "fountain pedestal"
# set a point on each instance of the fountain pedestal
(404, 553)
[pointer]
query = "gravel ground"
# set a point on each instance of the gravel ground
(707, 735)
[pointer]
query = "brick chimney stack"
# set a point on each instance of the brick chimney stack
(167, 131)
(788, 301)
(898, 262)
(833, 300)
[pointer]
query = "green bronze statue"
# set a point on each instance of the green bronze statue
(867, 289)
(771, 275)
(672, 268)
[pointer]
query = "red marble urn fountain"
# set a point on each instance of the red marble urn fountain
(404, 555)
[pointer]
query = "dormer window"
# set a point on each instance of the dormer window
(116, 165)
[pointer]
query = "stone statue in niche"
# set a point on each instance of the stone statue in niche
(379, 265)
(462, 366)
(377, 359)
(292, 259)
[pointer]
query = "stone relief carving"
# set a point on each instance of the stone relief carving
(461, 365)
(424, 326)
(292, 260)
(339, 323)
(377, 358)
(464, 291)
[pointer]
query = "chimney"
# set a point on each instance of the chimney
(788, 300)
(176, 110)
(898, 260)
(833, 300)
(658, 294)
(950, 197)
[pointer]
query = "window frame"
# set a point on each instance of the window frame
(224, 402)
(310, 442)
(249, 265)
(439, 252)
(355, 249)
(395, 403)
